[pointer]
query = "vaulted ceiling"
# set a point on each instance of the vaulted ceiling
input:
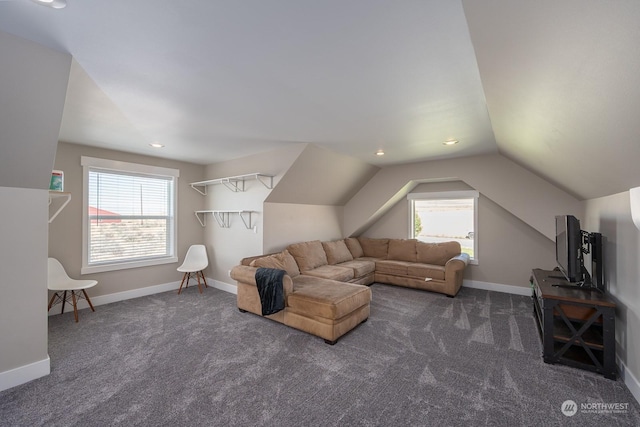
(553, 85)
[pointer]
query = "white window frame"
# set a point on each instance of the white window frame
(448, 195)
(89, 163)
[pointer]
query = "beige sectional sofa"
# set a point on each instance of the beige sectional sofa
(325, 288)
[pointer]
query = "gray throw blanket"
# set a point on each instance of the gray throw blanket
(269, 283)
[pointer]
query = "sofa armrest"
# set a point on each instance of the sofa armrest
(460, 257)
(247, 274)
(454, 272)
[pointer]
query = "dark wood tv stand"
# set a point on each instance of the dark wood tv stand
(577, 326)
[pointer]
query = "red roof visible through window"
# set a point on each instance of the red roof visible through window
(101, 212)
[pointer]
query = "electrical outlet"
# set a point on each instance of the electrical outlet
(229, 273)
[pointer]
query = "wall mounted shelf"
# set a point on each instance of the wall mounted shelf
(223, 218)
(233, 183)
(58, 195)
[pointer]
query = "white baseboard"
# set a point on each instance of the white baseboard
(24, 374)
(629, 379)
(118, 296)
(141, 292)
(232, 289)
(497, 287)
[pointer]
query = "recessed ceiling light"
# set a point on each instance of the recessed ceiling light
(450, 142)
(380, 153)
(56, 4)
(156, 145)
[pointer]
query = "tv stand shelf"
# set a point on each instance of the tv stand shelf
(576, 325)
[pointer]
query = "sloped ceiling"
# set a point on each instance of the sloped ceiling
(31, 108)
(552, 85)
(562, 84)
(321, 177)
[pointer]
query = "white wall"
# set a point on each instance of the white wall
(32, 94)
(23, 281)
(611, 216)
(310, 184)
(227, 246)
(288, 223)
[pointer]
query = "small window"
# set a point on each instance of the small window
(442, 217)
(129, 217)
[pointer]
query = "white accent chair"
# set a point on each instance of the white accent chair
(59, 282)
(194, 263)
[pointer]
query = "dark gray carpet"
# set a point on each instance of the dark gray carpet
(421, 359)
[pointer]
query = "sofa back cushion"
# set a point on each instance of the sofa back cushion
(337, 252)
(290, 264)
(281, 261)
(308, 255)
(376, 248)
(437, 253)
(354, 247)
(402, 250)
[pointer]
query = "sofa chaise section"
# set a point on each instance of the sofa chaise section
(323, 307)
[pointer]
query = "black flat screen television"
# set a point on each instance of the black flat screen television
(572, 243)
(569, 247)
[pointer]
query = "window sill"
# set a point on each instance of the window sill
(127, 265)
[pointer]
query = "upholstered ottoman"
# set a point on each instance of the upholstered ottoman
(326, 308)
(320, 306)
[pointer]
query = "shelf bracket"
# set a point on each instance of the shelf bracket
(202, 220)
(203, 191)
(247, 220)
(67, 197)
(261, 177)
(234, 185)
(222, 218)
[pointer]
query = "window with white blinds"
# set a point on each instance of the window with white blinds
(129, 215)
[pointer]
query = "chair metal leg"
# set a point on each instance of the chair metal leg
(64, 300)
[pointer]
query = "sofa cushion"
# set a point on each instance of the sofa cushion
(270, 261)
(281, 261)
(308, 255)
(337, 252)
(402, 250)
(290, 264)
(437, 253)
(398, 268)
(426, 270)
(326, 298)
(333, 272)
(361, 267)
(354, 247)
(376, 248)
